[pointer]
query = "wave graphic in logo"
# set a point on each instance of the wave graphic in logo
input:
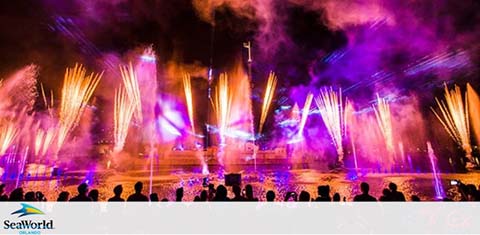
(27, 210)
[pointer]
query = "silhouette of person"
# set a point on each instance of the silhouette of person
(415, 198)
(203, 196)
(3, 195)
(364, 197)
(179, 194)
(211, 192)
(249, 193)
(138, 196)
(395, 195)
(30, 197)
(16, 195)
(221, 194)
(40, 196)
(117, 191)
(291, 195)
(386, 195)
(164, 200)
(323, 194)
(63, 196)
(304, 196)
(154, 197)
(472, 193)
(336, 197)
(93, 194)
(237, 191)
(82, 194)
(270, 196)
(196, 199)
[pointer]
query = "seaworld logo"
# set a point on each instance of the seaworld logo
(27, 210)
(28, 226)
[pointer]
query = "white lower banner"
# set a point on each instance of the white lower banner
(238, 218)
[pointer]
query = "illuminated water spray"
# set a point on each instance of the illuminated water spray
(267, 99)
(146, 74)
(330, 105)
(454, 118)
(350, 121)
(76, 92)
(439, 192)
(305, 113)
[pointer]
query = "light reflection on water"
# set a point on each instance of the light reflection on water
(346, 184)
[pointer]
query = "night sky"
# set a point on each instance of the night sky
(362, 46)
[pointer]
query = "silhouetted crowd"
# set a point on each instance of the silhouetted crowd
(220, 193)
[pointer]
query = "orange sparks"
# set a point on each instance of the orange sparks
(187, 85)
(77, 90)
(267, 99)
(123, 112)
(454, 118)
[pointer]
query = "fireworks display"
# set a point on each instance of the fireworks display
(223, 101)
(187, 86)
(267, 99)
(331, 107)
(8, 132)
(474, 109)
(132, 89)
(76, 92)
(454, 118)
(43, 140)
(384, 121)
(123, 112)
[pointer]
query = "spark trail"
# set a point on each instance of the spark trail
(454, 118)
(267, 99)
(77, 90)
(330, 105)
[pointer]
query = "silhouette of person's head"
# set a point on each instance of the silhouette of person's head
(16, 195)
(82, 189)
(386, 192)
(336, 197)
(154, 197)
(249, 191)
(93, 194)
(63, 196)
(415, 198)
(270, 196)
(203, 195)
(2, 189)
(40, 196)
(138, 187)
(164, 200)
(304, 196)
(364, 187)
(118, 190)
(324, 191)
(179, 194)
(392, 186)
(211, 188)
(236, 190)
(221, 193)
(30, 196)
